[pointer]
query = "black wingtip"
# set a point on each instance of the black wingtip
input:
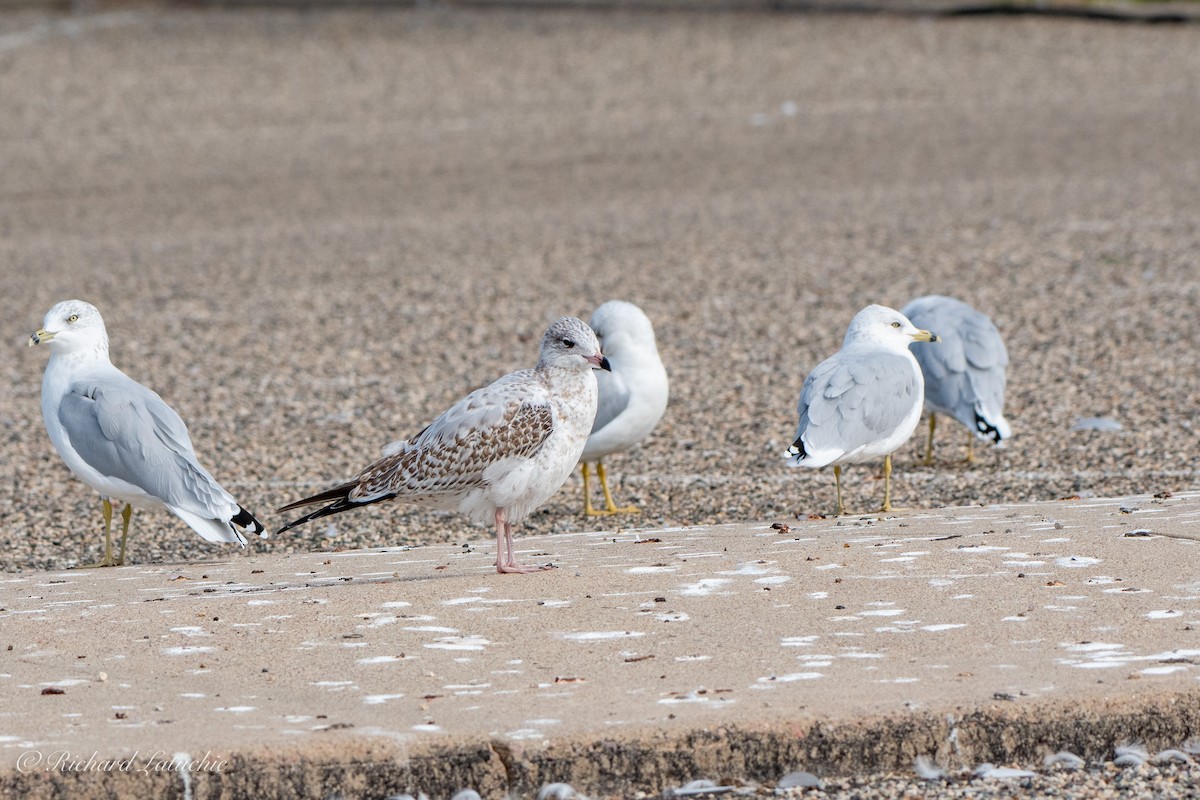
(244, 519)
(320, 512)
(339, 492)
(339, 505)
(987, 430)
(797, 452)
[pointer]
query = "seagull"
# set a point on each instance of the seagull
(633, 396)
(495, 455)
(122, 439)
(864, 401)
(965, 377)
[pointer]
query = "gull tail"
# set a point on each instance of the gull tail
(222, 530)
(339, 500)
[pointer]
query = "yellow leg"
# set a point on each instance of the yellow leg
(107, 562)
(970, 448)
(837, 482)
(929, 444)
(588, 510)
(887, 483)
(611, 507)
(125, 515)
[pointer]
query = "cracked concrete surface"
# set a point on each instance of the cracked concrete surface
(979, 618)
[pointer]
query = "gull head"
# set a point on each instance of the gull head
(72, 325)
(885, 326)
(622, 328)
(570, 343)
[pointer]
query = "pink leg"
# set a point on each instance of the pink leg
(501, 555)
(506, 560)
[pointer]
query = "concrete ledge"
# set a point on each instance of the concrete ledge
(647, 659)
(622, 766)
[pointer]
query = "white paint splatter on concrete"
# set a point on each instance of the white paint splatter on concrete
(379, 699)
(1076, 562)
(186, 650)
(798, 641)
(790, 677)
(704, 586)
(591, 636)
(457, 643)
(1164, 614)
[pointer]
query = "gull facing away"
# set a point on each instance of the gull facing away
(965, 377)
(633, 396)
(497, 454)
(864, 401)
(122, 439)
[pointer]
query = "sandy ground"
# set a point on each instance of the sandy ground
(312, 231)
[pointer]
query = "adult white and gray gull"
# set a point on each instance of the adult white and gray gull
(633, 396)
(495, 455)
(965, 377)
(864, 401)
(122, 439)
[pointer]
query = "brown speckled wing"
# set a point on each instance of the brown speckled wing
(452, 454)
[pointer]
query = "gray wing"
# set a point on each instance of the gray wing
(965, 371)
(851, 400)
(613, 398)
(491, 427)
(126, 431)
(987, 358)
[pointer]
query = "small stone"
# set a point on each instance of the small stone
(799, 779)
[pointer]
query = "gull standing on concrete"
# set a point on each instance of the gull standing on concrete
(121, 438)
(864, 401)
(965, 377)
(498, 453)
(633, 396)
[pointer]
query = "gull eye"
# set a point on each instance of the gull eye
(568, 343)
(73, 318)
(895, 324)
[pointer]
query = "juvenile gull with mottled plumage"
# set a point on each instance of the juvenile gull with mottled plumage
(121, 438)
(864, 401)
(497, 454)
